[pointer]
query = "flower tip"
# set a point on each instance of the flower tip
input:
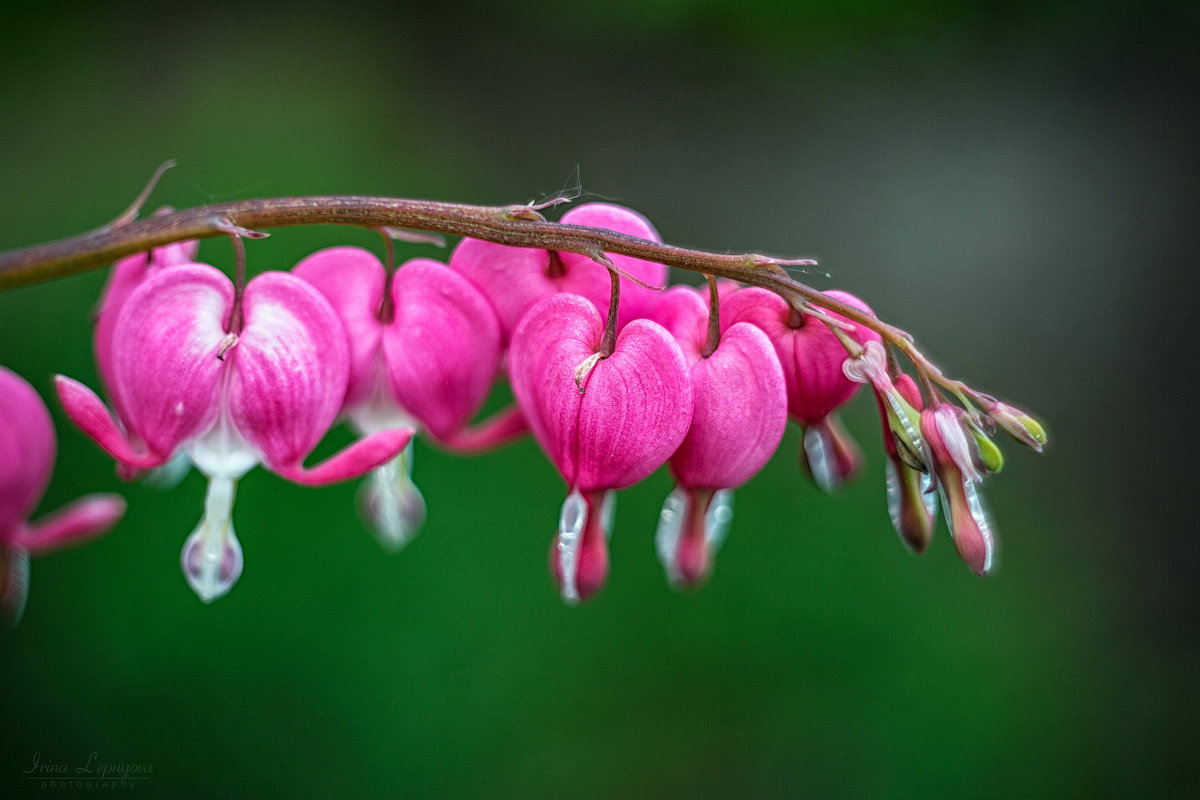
(591, 573)
(579, 552)
(211, 571)
(830, 455)
(14, 584)
(392, 505)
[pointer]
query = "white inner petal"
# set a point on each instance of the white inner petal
(570, 538)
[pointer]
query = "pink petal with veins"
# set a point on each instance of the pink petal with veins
(811, 355)
(442, 351)
(739, 412)
(635, 406)
(288, 370)
(88, 412)
(166, 374)
(352, 280)
(514, 279)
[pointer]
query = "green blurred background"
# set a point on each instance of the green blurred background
(1014, 182)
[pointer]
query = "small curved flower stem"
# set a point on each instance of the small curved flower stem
(387, 306)
(609, 342)
(237, 316)
(714, 318)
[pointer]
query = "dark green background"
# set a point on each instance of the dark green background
(1015, 183)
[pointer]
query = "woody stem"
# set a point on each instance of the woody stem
(515, 226)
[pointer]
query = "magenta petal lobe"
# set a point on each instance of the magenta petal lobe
(165, 370)
(289, 369)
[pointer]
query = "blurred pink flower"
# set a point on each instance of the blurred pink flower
(27, 449)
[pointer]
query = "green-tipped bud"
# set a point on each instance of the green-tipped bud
(1019, 425)
(988, 454)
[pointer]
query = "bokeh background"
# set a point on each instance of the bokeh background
(1013, 182)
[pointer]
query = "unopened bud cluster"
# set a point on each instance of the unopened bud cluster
(613, 375)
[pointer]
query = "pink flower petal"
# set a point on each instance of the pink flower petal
(27, 448)
(496, 431)
(352, 280)
(442, 351)
(513, 279)
(739, 412)
(683, 311)
(165, 344)
(289, 369)
(636, 301)
(811, 356)
(81, 520)
(554, 338)
(635, 406)
(88, 412)
(354, 461)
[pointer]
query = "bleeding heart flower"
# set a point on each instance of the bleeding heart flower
(953, 455)
(27, 449)
(514, 279)
(605, 421)
(811, 357)
(424, 349)
(738, 418)
(230, 399)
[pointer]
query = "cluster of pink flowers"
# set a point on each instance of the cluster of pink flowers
(613, 376)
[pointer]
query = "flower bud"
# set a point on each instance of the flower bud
(950, 452)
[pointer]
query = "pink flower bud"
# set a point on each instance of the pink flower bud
(606, 422)
(949, 450)
(514, 279)
(27, 450)
(912, 503)
(230, 399)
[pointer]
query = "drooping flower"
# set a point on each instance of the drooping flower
(738, 418)
(189, 380)
(424, 350)
(911, 495)
(606, 421)
(27, 450)
(514, 279)
(811, 356)
(954, 456)
(125, 276)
